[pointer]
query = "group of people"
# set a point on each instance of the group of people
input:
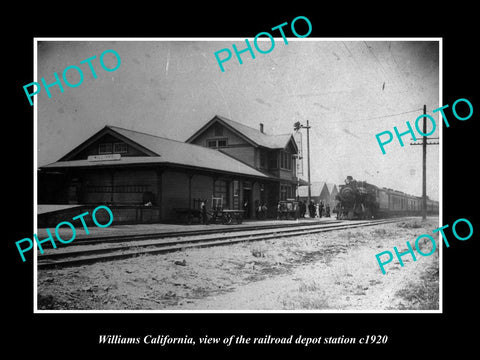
(312, 209)
(260, 210)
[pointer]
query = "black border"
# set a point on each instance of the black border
(65, 334)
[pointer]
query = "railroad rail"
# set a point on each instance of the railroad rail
(90, 240)
(174, 242)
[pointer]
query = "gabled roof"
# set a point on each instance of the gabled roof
(251, 135)
(316, 189)
(133, 138)
(159, 150)
(331, 187)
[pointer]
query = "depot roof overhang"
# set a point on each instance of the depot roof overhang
(146, 161)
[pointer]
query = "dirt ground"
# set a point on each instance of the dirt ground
(328, 271)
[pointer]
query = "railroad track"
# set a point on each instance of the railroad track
(135, 247)
(169, 234)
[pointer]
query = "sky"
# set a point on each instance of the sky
(348, 89)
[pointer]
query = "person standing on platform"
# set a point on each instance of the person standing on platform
(320, 209)
(246, 213)
(203, 208)
(303, 209)
(311, 209)
(263, 211)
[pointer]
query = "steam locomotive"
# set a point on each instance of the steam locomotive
(361, 200)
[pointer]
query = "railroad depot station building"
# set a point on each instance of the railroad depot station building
(144, 178)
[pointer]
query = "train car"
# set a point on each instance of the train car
(432, 207)
(394, 202)
(361, 200)
(383, 202)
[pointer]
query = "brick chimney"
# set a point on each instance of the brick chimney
(261, 128)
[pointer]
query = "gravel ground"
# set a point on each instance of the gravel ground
(327, 271)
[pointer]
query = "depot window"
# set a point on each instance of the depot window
(120, 148)
(105, 148)
(221, 192)
(216, 143)
(112, 148)
(273, 160)
(285, 160)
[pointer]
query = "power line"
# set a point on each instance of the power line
(341, 122)
(390, 115)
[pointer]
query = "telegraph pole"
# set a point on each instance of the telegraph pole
(308, 159)
(297, 126)
(424, 173)
(424, 170)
